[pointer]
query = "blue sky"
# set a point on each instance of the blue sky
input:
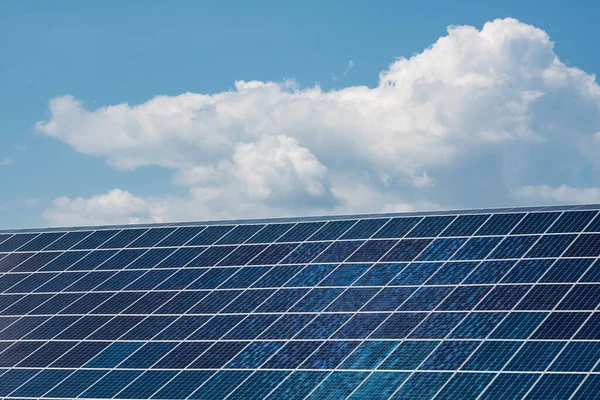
(291, 147)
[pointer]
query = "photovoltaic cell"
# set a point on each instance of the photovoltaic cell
(488, 304)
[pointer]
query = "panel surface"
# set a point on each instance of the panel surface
(474, 304)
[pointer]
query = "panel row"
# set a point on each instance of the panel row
(285, 385)
(453, 325)
(408, 355)
(385, 228)
(547, 271)
(354, 251)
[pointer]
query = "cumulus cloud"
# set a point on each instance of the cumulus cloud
(467, 122)
(6, 161)
(115, 207)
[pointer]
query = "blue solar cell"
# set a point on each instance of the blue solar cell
(491, 356)
(422, 385)
(370, 354)
(364, 229)
(306, 252)
(93, 260)
(68, 241)
(477, 248)
(301, 232)
(503, 297)
(14, 378)
(181, 236)
(345, 275)
(566, 270)
(372, 250)
(332, 230)
(26, 304)
(317, 299)
(426, 298)
(311, 275)
(117, 303)
(79, 354)
(248, 301)
(339, 251)
(151, 237)
(437, 325)
(274, 254)
(220, 385)
(441, 249)
(113, 355)
(147, 280)
(593, 274)
(527, 271)
(360, 326)
(245, 277)
(536, 223)
(430, 226)
(589, 388)
(116, 327)
(535, 356)
(59, 283)
(64, 261)
(16, 241)
(239, 234)
(17, 352)
(259, 384)
(148, 328)
(323, 326)
(216, 327)
(452, 273)
(41, 383)
(544, 297)
(398, 326)
(389, 299)
(416, 274)
(209, 236)
(465, 225)
(449, 355)
(500, 224)
(477, 325)
(183, 385)
(352, 299)
(550, 246)
(270, 233)
(13, 328)
(216, 356)
(464, 298)
(396, 228)
(282, 300)
(209, 257)
(586, 245)
(406, 250)
(242, 255)
(30, 283)
(465, 386)
(147, 355)
(555, 386)
(338, 385)
(287, 326)
(380, 274)
(123, 238)
(409, 355)
(489, 272)
(518, 325)
(111, 384)
(513, 247)
(212, 278)
(181, 303)
(9, 262)
(509, 386)
(146, 385)
(170, 259)
(76, 383)
(574, 221)
(83, 328)
(594, 226)
(40, 242)
(95, 240)
(278, 276)
(577, 357)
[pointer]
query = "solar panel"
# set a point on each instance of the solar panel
(474, 304)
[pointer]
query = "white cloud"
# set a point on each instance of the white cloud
(115, 207)
(466, 122)
(560, 194)
(6, 161)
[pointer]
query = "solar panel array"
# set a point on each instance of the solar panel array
(472, 305)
